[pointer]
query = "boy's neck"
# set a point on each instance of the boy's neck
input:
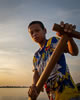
(42, 43)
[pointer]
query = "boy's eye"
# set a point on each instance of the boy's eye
(34, 31)
(31, 33)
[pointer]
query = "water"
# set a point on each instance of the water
(18, 94)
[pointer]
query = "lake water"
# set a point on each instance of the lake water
(18, 94)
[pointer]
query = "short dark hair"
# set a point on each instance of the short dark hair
(37, 22)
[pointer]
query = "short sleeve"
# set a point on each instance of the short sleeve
(55, 39)
(54, 42)
(34, 64)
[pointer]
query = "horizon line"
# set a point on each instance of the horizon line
(14, 86)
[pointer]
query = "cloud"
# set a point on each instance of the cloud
(74, 66)
(73, 59)
(73, 63)
(8, 71)
(16, 47)
(11, 9)
(76, 76)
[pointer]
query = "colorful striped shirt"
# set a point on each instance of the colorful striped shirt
(60, 74)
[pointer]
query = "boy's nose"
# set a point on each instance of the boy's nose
(34, 34)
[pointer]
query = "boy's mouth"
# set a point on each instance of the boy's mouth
(35, 38)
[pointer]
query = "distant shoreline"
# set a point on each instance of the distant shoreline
(14, 86)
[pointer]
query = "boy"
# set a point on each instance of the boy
(59, 85)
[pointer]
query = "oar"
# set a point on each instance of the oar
(55, 56)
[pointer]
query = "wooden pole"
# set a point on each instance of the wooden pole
(52, 62)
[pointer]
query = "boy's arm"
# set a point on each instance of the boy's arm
(32, 92)
(35, 77)
(71, 47)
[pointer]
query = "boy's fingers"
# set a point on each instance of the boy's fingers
(58, 34)
(33, 91)
(74, 27)
(66, 27)
(62, 24)
(29, 92)
(71, 28)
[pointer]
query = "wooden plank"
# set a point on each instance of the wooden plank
(59, 29)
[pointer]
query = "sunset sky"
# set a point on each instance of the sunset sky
(17, 48)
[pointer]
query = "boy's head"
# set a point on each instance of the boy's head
(37, 22)
(37, 31)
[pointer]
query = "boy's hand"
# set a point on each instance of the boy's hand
(33, 92)
(67, 28)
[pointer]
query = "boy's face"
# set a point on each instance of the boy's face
(37, 33)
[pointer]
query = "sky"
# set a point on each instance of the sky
(17, 48)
